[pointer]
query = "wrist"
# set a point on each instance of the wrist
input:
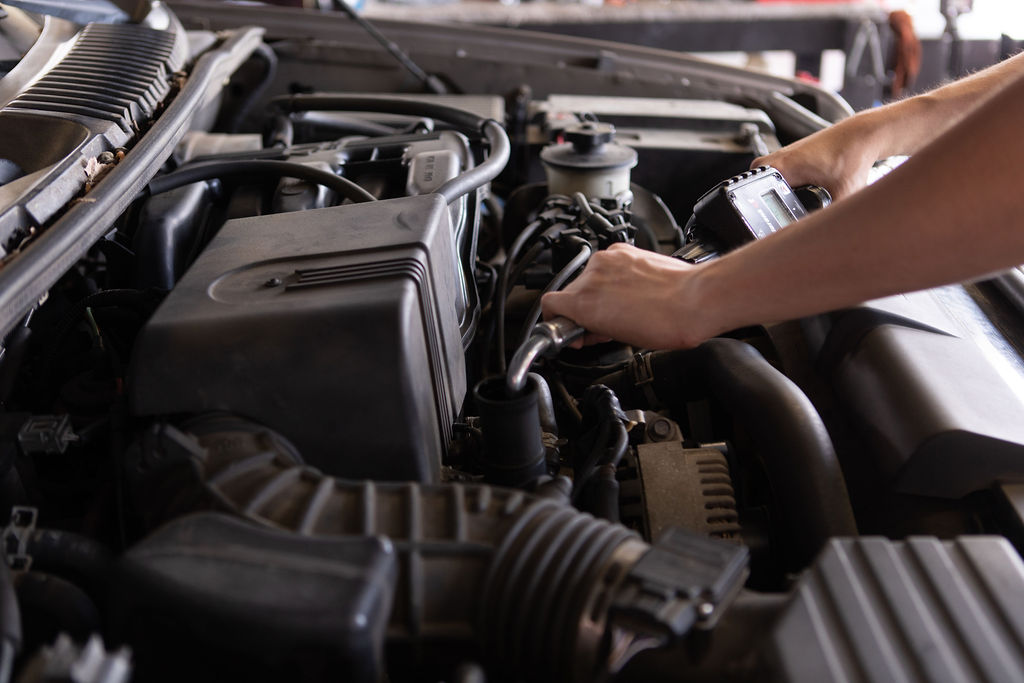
(700, 305)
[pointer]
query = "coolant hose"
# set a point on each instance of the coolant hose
(801, 463)
(462, 184)
(10, 622)
(508, 572)
(265, 53)
(460, 118)
(80, 559)
(479, 176)
(208, 170)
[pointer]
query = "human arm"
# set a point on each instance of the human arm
(839, 157)
(954, 211)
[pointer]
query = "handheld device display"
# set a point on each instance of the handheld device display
(746, 207)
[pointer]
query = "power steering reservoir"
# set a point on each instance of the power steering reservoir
(589, 162)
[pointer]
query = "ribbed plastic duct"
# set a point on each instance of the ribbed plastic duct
(528, 583)
(114, 72)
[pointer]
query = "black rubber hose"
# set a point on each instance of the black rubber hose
(269, 57)
(464, 120)
(281, 133)
(208, 170)
(339, 124)
(77, 558)
(801, 463)
(478, 176)
(15, 347)
(53, 605)
(459, 118)
(10, 622)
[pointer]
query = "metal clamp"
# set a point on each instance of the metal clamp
(16, 537)
(643, 378)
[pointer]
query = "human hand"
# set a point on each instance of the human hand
(837, 158)
(635, 296)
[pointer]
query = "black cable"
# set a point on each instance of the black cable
(208, 170)
(140, 301)
(492, 279)
(567, 399)
(503, 282)
(612, 438)
(561, 277)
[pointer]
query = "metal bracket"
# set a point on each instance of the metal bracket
(643, 378)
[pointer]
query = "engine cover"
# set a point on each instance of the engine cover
(335, 327)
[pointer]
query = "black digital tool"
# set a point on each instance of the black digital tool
(746, 207)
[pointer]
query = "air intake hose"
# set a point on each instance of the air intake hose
(532, 583)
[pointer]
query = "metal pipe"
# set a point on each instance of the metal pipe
(547, 337)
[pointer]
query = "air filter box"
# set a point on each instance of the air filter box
(335, 327)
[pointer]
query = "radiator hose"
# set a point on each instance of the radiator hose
(797, 451)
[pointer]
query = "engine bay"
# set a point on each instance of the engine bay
(277, 402)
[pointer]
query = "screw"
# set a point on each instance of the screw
(106, 158)
(705, 610)
(272, 282)
(661, 428)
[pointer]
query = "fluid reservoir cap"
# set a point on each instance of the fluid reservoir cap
(590, 146)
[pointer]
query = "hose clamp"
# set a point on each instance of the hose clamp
(643, 378)
(16, 537)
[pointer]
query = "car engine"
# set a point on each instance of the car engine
(277, 401)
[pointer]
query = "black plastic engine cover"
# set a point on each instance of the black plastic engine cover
(942, 416)
(244, 602)
(335, 327)
(919, 610)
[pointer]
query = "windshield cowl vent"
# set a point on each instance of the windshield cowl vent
(115, 72)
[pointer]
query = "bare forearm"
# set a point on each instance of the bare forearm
(953, 212)
(906, 126)
(840, 157)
